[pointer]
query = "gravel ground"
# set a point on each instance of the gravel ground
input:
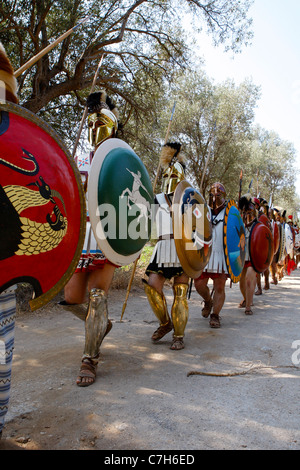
(148, 397)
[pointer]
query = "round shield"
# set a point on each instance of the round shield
(261, 247)
(120, 199)
(280, 255)
(265, 220)
(42, 210)
(289, 240)
(297, 239)
(192, 229)
(234, 241)
(276, 235)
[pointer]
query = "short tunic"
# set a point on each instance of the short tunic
(164, 258)
(217, 262)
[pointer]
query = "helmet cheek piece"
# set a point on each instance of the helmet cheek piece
(217, 196)
(172, 177)
(101, 126)
(249, 215)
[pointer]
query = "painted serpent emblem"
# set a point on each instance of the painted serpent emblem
(19, 235)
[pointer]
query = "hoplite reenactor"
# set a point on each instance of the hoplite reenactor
(277, 263)
(276, 235)
(297, 243)
(263, 214)
(281, 263)
(225, 261)
(94, 272)
(116, 182)
(248, 279)
(164, 263)
(291, 235)
(8, 297)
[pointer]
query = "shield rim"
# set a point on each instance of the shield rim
(44, 298)
(289, 253)
(235, 279)
(109, 252)
(273, 223)
(176, 221)
(251, 258)
(280, 255)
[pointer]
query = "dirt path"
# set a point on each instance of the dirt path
(145, 397)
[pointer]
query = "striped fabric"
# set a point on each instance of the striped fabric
(7, 328)
(92, 257)
(166, 255)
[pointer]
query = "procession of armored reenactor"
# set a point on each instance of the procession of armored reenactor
(245, 241)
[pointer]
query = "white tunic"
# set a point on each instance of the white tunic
(217, 263)
(165, 250)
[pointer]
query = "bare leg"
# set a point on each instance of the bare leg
(267, 276)
(97, 324)
(219, 299)
(76, 289)
(203, 290)
(258, 281)
(250, 281)
(101, 278)
(156, 281)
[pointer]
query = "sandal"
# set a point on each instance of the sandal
(162, 331)
(242, 304)
(87, 375)
(177, 343)
(248, 311)
(258, 292)
(214, 321)
(207, 308)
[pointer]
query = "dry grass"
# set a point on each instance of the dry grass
(123, 275)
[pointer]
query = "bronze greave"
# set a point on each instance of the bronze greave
(158, 304)
(180, 309)
(95, 323)
(79, 310)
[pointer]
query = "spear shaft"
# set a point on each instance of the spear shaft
(85, 108)
(166, 139)
(47, 49)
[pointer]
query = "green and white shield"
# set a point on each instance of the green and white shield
(120, 199)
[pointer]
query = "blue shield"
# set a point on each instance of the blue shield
(234, 241)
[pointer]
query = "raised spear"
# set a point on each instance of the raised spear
(85, 108)
(166, 139)
(44, 51)
(250, 185)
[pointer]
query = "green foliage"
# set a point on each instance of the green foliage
(146, 69)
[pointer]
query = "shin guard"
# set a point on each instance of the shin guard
(180, 309)
(158, 304)
(96, 323)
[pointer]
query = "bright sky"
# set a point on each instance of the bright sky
(273, 63)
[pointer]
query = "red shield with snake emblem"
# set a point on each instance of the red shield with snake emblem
(42, 206)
